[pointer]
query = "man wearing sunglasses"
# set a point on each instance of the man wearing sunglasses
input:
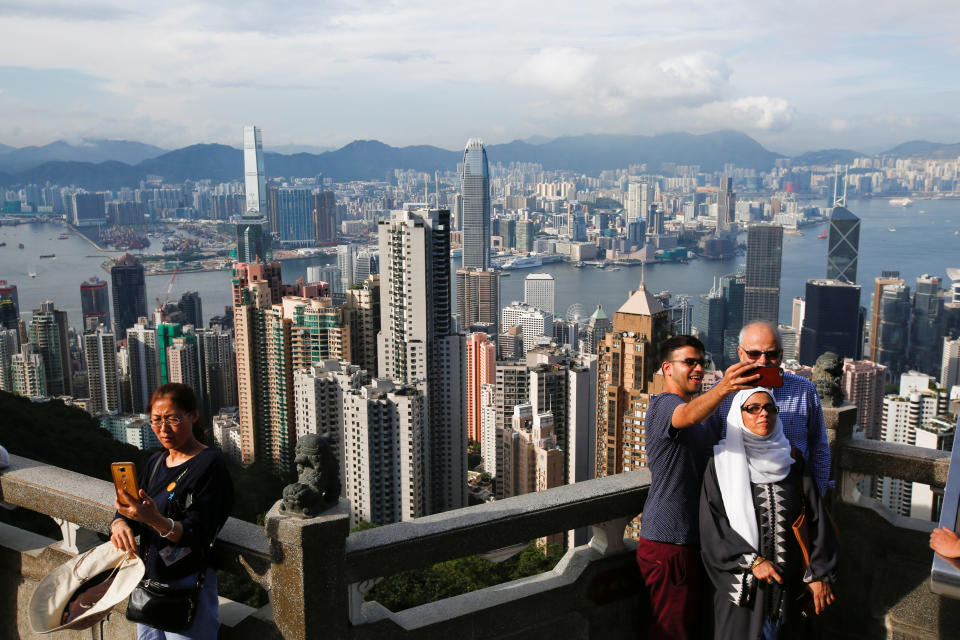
(797, 399)
(678, 446)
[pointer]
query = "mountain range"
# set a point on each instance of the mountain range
(110, 164)
(13, 159)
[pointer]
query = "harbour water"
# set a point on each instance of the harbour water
(919, 243)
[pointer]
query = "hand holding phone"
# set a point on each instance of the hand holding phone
(770, 377)
(125, 481)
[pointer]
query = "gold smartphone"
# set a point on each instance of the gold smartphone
(125, 479)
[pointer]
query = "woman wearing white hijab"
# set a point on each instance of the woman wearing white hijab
(753, 491)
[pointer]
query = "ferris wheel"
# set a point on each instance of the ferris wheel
(575, 313)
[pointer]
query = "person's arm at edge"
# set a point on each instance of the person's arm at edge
(736, 378)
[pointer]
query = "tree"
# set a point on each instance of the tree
(456, 577)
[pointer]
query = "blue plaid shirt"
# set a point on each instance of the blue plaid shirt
(802, 418)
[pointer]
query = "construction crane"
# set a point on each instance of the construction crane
(162, 307)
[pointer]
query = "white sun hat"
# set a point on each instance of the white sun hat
(54, 592)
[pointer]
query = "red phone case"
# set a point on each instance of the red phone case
(770, 377)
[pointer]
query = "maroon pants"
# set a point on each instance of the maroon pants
(673, 574)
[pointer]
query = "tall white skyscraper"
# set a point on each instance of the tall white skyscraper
(254, 181)
(639, 199)
(416, 344)
(100, 352)
(538, 291)
(475, 188)
(253, 235)
(144, 363)
(345, 260)
(386, 452)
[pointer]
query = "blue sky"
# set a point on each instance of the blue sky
(797, 75)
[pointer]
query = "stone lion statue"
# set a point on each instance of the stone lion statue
(318, 478)
(827, 373)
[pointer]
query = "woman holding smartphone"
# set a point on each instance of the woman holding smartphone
(186, 496)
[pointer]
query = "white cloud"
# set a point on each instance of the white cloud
(425, 71)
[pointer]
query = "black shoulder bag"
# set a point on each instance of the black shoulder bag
(157, 605)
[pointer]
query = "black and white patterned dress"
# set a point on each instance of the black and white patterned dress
(741, 602)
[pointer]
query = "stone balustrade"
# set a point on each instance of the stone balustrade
(316, 572)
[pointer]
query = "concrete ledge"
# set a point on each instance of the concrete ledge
(417, 543)
(592, 596)
(88, 502)
(902, 461)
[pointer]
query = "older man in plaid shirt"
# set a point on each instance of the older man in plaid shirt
(797, 399)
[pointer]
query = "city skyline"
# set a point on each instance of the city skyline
(876, 78)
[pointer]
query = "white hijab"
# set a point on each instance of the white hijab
(743, 458)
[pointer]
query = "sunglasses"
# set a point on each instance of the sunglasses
(754, 409)
(692, 362)
(753, 354)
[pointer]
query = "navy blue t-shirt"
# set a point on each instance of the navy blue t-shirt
(677, 459)
(206, 479)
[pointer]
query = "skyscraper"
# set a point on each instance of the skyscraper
(726, 204)
(710, 322)
(166, 332)
(95, 304)
(475, 187)
(538, 291)
(864, 383)
(386, 452)
(525, 231)
(293, 208)
(761, 294)
(903, 415)
(844, 245)
(833, 321)
(9, 347)
(478, 300)
(217, 370)
(481, 370)
(253, 235)
(324, 217)
(891, 334)
(639, 199)
(535, 323)
(182, 361)
(416, 344)
(256, 288)
(192, 309)
(144, 364)
(129, 292)
(100, 352)
(27, 372)
(346, 254)
(48, 332)
(926, 339)
(876, 311)
(597, 327)
(254, 181)
(85, 209)
(625, 379)
(732, 288)
(9, 314)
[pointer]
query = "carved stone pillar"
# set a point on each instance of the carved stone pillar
(308, 581)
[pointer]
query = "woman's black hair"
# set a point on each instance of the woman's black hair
(184, 398)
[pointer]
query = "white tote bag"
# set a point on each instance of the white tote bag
(55, 590)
